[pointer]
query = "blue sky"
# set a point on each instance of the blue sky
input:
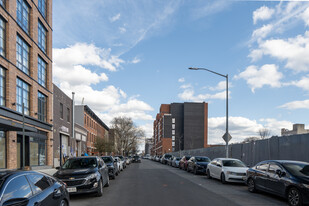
(126, 58)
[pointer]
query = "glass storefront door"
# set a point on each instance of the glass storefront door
(2, 150)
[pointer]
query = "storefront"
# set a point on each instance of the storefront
(2, 150)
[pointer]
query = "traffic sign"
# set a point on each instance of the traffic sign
(227, 137)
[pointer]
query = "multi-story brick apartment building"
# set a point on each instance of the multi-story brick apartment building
(180, 126)
(95, 127)
(26, 82)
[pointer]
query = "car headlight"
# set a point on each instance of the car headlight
(306, 186)
(92, 176)
(231, 173)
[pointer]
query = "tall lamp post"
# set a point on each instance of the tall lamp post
(227, 137)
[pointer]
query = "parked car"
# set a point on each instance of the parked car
(288, 179)
(175, 161)
(119, 164)
(169, 160)
(183, 162)
(158, 158)
(165, 158)
(87, 174)
(198, 164)
(122, 161)
(227, 170)
(136, 158)
(28, 188)
(128, 161)
(113, 170)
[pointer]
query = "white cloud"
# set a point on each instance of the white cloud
(305, 16)
(135, 60)
(181, 80)
(122, 30)
(294, 51)
(259, 77)
(210, 8)
(262, 32)
(189, 95)
(86, 54)
(275, 126)
(262, 13)
(296, 105)
(221, 86)
(303, 83)
(115, 18)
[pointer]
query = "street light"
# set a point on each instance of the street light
(227, 137)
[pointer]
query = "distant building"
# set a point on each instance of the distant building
(95, 127)
(180, 126)
(148, 146)
(297, 129)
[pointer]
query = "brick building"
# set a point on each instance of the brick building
(180, 126)
(26, 83)
(95, 127)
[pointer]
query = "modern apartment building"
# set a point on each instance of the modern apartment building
(26, 83)
(95, 127)
(180, 126)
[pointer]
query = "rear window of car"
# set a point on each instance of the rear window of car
(188, 157)
(107, 159)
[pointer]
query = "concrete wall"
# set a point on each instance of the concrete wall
(294, 147)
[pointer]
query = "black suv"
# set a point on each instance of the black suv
(31, 188)
(136, 158)
(112, 166)
(84, 175)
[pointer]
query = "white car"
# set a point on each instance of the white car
(119, 163)
(227, 170)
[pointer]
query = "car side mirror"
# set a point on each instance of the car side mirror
(17, 201)
(219, 165)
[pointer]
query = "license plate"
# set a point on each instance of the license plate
(71, 189)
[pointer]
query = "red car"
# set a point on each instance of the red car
(183, 163)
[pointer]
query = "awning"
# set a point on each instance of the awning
(34, 134)
(9, 125)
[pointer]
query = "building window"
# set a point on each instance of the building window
(68, 114)
(37, 151)
(42, 108)
(2, 3)
(42, 7)
(173, 126)
(23, 14)
(22, 96)
(42, 37)
(173, 120)
(2, 87)
(41, 72)
(173, 144)
(173, 138)
(173, 131)
(22, 55)
(2, 150)
(61, 110)
(2, 37)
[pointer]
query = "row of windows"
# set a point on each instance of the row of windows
(68, 112)
(23, 55)
(23, 97)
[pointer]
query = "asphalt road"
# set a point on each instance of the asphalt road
(153, 184)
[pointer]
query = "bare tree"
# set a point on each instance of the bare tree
(250, 139)
(264, 133)
(103, 145)
(127, 135)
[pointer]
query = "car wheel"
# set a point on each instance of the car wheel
(195, 171)
(100, 189)
(63, 203)
(208, 174)
(223, 178)
(294, 197)
(251, 185)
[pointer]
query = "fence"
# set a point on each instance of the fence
(294, 147)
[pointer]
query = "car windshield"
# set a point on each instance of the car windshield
(233, 163)
(107, 159)
(297, 169)
(188, 157)
(121, 157)
(136, 157)
(178, 158)
(202, 159)
(80, 163)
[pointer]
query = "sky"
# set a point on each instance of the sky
(126, 58)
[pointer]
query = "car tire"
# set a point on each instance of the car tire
(222, 178)
(100, 189)
(251, 185)
(63, 203)
(208, 174)
(294, 197)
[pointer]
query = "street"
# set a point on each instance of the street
(151, 183)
